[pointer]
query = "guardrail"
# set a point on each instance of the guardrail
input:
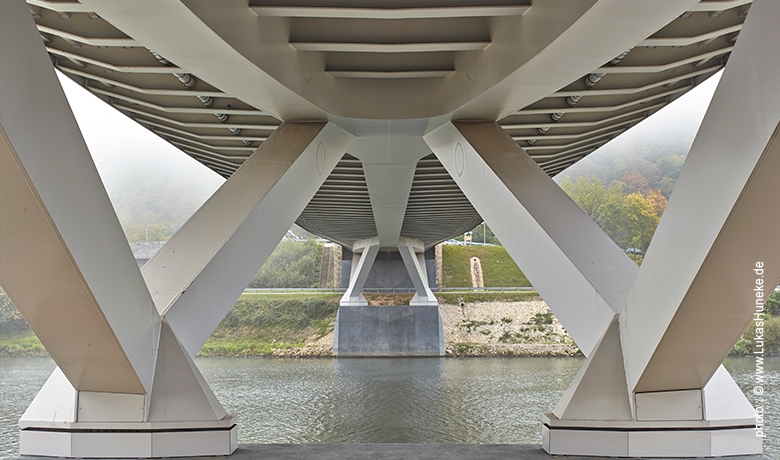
(383, 290)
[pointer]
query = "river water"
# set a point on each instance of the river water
(406, 400)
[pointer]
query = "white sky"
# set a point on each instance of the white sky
(120, 146)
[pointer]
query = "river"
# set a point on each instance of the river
(406, 400)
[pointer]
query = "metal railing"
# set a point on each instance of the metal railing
(383, 290)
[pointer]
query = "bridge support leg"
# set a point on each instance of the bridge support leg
(413, 255)
(653, 384)
(126, 385)
(364, 253)
(582, 275)
(702, 280)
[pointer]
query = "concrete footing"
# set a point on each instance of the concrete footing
(658, 439)
(400, 452)
(388, 331)
(123, 440)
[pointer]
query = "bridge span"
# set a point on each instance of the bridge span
(388, 127)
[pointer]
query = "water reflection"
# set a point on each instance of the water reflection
(414, 400)
(406, 400)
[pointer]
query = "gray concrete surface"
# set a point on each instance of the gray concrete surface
(397, 452)
(388, 331)
(388, 270)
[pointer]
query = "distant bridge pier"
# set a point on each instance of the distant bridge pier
(655, 337)
(400, 330)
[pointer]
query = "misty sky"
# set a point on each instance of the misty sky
(121, 147)
(676, 124)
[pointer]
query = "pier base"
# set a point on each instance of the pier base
(388, 331)
(402, 452)
(659, 439)
(131, 440)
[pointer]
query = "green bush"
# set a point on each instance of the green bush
(22, 346)
(273, 313)
(293, 264)
(747, 344)
(11, 321)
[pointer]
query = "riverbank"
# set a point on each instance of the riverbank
(513, 324)
(298, 326)
(478, 324)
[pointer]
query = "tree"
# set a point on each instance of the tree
(642, 220)
(589, 193)
(636, 182)
(293, 264)
(630, 220)
(483, 234)
(613, 217)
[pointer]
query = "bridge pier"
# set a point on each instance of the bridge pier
(124, 339)
(413, 330)
(655, 337)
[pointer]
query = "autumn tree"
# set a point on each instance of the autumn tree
(636, 183)
(630, 220)
(589, 193)
(614, 218)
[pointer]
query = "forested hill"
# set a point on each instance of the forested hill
(156, 199)
(640, 159)
(624, 186)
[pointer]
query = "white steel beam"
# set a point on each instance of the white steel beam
(698, 285)
(390, 13)
(413, 254)
(363, 256)
(65, 261)
(579, 271)
(390, 47)
(389, 165)
(201, 271)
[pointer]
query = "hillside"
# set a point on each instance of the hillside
(498, 269)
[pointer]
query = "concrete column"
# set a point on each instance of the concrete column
(413, 255)
(439, 266)
(582, 274)
(703, 279)
(126, 385)
(200, 272)
(363, 255)
(337, 259)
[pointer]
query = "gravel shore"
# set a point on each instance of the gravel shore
(472, 329)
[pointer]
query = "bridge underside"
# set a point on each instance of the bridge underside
(389, 128)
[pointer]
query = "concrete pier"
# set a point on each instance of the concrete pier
(388, 331)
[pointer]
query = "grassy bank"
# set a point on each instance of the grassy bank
(25, 345)
(273, 324)
(487, 296)
(498, 269)
(259, 324)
